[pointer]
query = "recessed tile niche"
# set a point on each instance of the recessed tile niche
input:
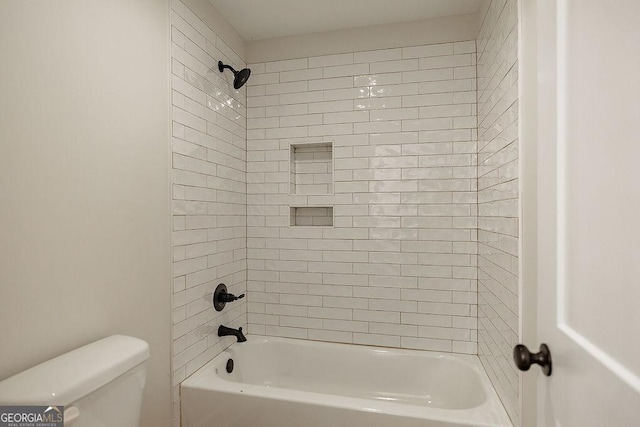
(311, 168)
(311, 216)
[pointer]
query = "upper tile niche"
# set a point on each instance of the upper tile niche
(311, 168)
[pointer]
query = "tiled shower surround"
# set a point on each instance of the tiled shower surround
(208, 193)
(398, 266)
(498, 199)
(367, 197)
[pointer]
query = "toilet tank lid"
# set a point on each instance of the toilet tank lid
(75, 374)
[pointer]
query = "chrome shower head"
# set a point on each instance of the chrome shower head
(240, 77)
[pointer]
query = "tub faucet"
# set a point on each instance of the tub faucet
(223, 331)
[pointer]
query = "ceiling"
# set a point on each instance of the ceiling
(265, 19)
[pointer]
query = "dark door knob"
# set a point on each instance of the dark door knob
(524, 358)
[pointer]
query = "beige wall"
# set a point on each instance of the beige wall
(428, 31)
(84, 164)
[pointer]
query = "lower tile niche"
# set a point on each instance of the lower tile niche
(311, 216)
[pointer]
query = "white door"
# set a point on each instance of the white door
(588, 211)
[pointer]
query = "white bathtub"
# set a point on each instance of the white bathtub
(278, 382)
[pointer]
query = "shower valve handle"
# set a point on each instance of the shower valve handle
(226, 297)
(221, 297)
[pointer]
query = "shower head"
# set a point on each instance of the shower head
(241, 76)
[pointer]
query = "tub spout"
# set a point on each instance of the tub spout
(223, 331)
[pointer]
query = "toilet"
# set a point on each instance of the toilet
(99, 385)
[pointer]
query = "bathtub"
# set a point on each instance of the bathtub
(279, 382)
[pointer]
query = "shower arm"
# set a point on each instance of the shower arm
(222, 66)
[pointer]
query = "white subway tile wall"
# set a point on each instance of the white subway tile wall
(208, 193)
(498, 199)
(398, 268)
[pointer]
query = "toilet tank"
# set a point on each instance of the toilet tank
(100, 384)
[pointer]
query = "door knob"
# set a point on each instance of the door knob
(524, 358)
